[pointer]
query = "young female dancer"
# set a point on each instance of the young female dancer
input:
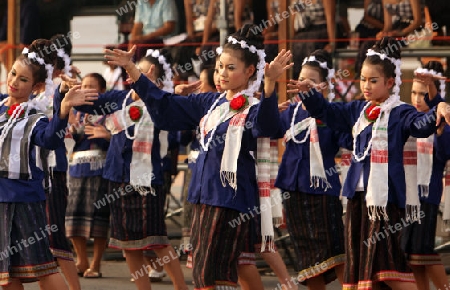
(233, 122)
(375, 184)
(133, 169)
(432, 153)
(84, 220)
(308, 171)
(57, 191)
(24, 230)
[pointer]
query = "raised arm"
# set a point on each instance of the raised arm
(337, 116)
(51, 134)
(106, 103)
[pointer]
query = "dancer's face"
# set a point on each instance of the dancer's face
(375, 86)
(234, 74)
(91, 83)
(418, 92)
(217, 77)
(310, 73)
(20, 82)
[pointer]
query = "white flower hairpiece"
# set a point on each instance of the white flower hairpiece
(330, 75)
(168, 75)
(397, 63)
(219, 50)
(48, 68)
(433, 73)
(62, 54)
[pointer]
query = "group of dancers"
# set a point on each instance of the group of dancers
(397, 157)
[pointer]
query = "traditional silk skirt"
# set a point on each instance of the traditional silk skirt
(88, 210)
(55, 207)
(373, 248)
(217, 243)
(24, 246)
(316, 229)
(418, 240)
(137, 222)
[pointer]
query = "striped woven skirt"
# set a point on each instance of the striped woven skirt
(55, 207)
(373, 248)
(137, 222)
(418, 240)
(86, 215)
(187, 211)
(24, 246)
(316, 229)
(216, 246)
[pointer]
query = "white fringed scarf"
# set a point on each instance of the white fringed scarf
(141, 160)
(377, 188)
(267, 164)
(318, 178)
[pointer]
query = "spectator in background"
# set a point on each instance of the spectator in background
(29, 22)
(154, 20)
(84, 220)
(54, 16)
(313, 21)
(238, 14)
(271, 32)
(402, 18)
(373, 20)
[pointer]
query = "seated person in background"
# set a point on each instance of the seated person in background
(154, 20)
(238, 14)
(402, 18)
(372, 21)
(315, 22)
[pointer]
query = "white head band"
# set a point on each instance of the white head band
(397, 63)
(254, 85)
(48, 67)
(62, 54)
(330, 75)
(168, 75)
(434, 73)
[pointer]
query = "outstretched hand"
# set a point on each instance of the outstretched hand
(67, 83)
(276, 67)
(120, 57)
(442, 112)
(283, 106)
(296, 86)
(77, 97)
(97, 131)
(186, 89)
(427, 78)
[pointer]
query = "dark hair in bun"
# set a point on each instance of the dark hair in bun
(100, 79)
(390, 47)
(437, 67)
(251, 34)
(60, 41)
(41, 47)
(159, 68)
(321, 56)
